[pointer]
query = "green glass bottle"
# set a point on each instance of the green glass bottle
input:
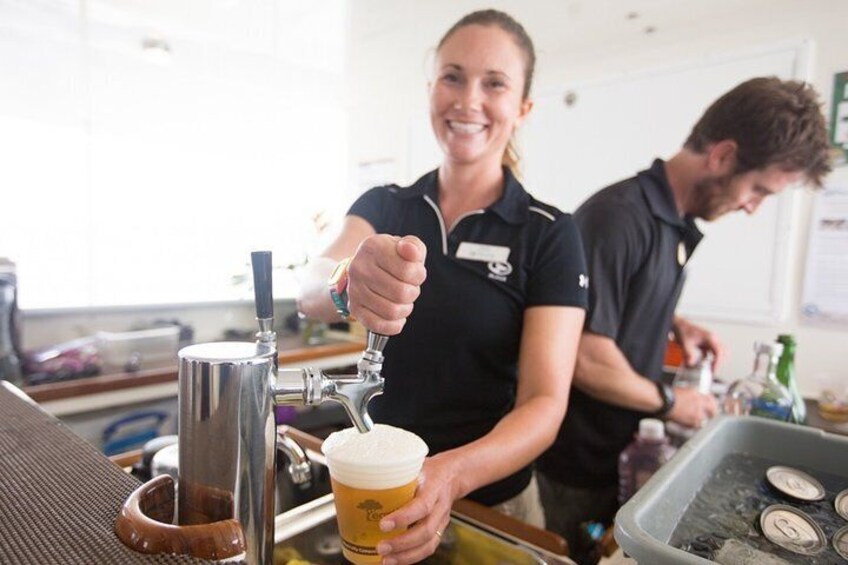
(786, 376)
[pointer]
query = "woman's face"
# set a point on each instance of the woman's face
(476, 96)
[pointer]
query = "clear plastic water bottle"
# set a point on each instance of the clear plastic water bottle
(760, 393)
(640, 460)
(699, 377)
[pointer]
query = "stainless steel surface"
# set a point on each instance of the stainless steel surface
(227, 431)
(840, 542)
(795, 483)
(166, 461)
(228, 439)
(792, 529)
(310, 529)
(301, 387)
(228, 442)
(353, 392)
(266, 334)
(841, 504)
(299, 467)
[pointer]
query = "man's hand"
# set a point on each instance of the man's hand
(385, 277)
(696, 341)
(691, 408)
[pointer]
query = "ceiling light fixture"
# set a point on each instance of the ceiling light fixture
(156, 50)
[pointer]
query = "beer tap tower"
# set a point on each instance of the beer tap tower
(228, 439)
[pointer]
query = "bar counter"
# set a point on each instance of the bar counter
(59, 496)
(95, 393)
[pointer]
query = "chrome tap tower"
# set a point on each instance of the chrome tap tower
(228, 439)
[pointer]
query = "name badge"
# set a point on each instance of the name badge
(482, 252)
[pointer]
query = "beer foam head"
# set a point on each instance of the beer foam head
(385, 457)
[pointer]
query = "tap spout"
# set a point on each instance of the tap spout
(299, 469)
(308, 387)
(354, 393)
(357, 393)
(299, 387)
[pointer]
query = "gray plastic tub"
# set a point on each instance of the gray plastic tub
(644, 525)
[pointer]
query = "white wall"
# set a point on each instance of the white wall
(576, 40)
(139, 174)
(587, 41)
(208, 321)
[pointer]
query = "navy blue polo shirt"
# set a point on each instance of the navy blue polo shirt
(637, 247)
(451, 374)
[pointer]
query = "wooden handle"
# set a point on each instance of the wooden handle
(127, 458)
(144, 524)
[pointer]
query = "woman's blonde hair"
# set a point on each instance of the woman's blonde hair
(507, 23)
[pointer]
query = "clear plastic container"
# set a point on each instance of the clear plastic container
(700, 377)
(137, 350)
(644, 526)
(641, 459)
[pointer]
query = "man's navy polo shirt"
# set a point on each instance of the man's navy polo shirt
(637, 246)
(451, 374)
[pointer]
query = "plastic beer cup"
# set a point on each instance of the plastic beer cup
(373, 474)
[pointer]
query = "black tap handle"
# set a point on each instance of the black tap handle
(262, 289)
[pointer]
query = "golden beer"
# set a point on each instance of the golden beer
(359, 512)
(373, 474)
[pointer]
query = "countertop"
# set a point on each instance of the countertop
(59, 496)
(815, 420)
(291, 351)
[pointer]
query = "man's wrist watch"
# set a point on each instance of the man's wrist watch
(338, 288)
(667, 397)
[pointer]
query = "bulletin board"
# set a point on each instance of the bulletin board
(825, 294)
(839, 116)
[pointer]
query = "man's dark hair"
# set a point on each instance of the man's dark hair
(773, 121)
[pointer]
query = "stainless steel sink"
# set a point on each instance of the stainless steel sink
(308, 533)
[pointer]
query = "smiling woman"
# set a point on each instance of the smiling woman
(129, 181)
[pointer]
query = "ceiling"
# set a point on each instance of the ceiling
(557, 24)
(258, 26)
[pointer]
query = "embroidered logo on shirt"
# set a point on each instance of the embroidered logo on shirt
(499, 270)
(583, 281)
